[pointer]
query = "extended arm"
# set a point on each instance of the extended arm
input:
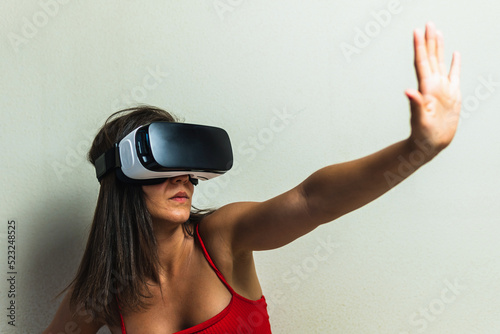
(338, 189)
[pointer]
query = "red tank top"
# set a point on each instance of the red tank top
(242, 315)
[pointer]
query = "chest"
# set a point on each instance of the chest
(194, 296)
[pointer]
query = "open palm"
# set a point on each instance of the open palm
(435, 106)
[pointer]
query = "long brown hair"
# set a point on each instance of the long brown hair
(121, 252)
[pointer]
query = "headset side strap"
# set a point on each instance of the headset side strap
(107, 162)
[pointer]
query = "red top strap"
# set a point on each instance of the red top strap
(121, 318)
(212, 264)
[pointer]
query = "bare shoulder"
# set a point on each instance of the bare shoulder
(221, 226)
(227, 217)
(217, 229)
(70, 320)
(229, 213)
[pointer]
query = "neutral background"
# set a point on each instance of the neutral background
(277, 76)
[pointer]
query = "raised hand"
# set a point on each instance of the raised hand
(435, 106)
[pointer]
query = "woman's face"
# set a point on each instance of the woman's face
(170, 201)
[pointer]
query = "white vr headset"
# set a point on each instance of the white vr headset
(160, 150)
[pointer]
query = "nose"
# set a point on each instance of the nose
(180, 179)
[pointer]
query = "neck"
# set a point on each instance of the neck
(175, 249)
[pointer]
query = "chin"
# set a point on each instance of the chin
(173, 218)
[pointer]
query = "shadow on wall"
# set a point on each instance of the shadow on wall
(60, 232)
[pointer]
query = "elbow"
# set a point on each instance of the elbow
(319, 210)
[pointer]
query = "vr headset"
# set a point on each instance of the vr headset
(152, 153)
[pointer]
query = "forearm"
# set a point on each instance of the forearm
(338, 189)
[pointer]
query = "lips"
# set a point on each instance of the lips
(181, 196)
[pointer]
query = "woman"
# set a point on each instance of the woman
(153, 266)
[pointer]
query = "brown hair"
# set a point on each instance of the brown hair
(121, 252)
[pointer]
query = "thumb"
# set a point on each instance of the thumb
(416, 100)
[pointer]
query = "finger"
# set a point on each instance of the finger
(431, 43)
(416, 101)
(421, 62)
(454, 75)
(440, 52)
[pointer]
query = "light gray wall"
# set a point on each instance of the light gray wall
(277, 76)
